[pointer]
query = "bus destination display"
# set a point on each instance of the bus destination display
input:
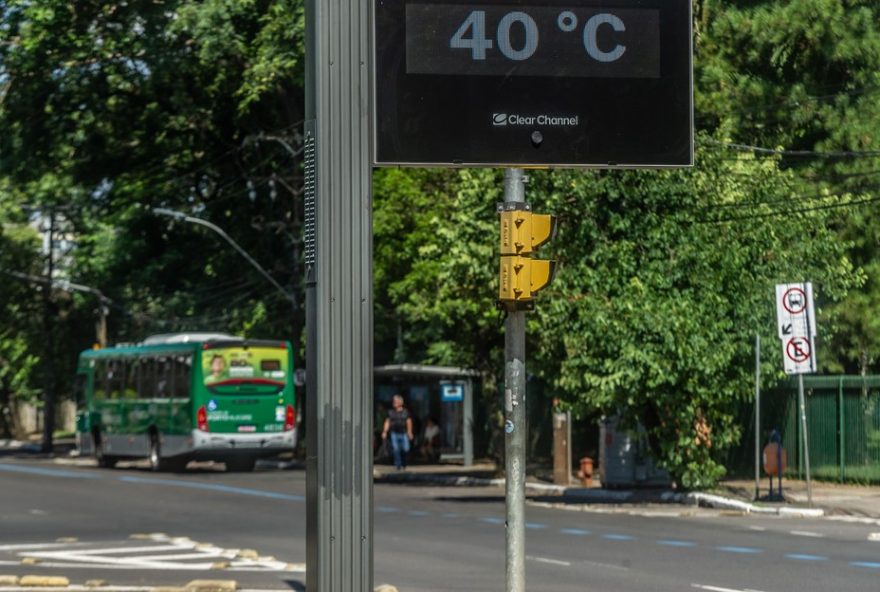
(580, 83)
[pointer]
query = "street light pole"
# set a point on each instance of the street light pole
(228, 239)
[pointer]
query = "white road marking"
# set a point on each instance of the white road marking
(168, 556)
(806, 533)
(78, 588)
(874, 536)
(35, 546)
(722, 589)
(758, 528)
(548, 560)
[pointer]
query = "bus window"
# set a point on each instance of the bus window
(148, 378)
(131, 369)
(100, 379)
(182, 376)
(115, 378)
(164, 377)
(79, 389)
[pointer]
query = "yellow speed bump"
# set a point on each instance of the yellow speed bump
(385, 588)
(30, 561)
(95, 583)
(8, 580)
(247, 554)
(66, 540)
(44, 581)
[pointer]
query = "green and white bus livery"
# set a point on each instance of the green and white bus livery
(181, 397)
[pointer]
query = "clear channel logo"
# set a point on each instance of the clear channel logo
(503, 119)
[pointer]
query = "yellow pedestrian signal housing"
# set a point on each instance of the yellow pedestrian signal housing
(523, 277)
(522, 232)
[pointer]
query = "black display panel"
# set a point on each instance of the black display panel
(526, 82)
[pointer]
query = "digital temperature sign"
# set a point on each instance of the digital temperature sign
(556, 83)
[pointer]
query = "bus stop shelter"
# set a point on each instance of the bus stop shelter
(441, 393)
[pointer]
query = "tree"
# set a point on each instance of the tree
(802, 78)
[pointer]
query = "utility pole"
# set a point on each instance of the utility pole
(521, 277)
(49, 341)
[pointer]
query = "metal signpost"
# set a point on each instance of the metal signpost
(796, 323)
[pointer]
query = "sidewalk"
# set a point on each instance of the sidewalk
(845, 501)
(835, 499)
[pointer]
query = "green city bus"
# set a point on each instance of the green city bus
(181, 397)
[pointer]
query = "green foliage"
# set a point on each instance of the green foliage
(804, 76)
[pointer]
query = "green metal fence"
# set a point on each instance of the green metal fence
(843, 426)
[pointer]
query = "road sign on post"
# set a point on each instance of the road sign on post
(796, 325)
(796, 322)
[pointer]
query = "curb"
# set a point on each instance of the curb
(43, 582)
(705, 500)
(211, 586)
(464, 481)
(708, 500)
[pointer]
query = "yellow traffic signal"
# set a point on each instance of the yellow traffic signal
(522, 232)
(523, 277)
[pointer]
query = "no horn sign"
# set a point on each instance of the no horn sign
(797, 327)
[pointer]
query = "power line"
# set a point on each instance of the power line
(788, 212)
(798, 153)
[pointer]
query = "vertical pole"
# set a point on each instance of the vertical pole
(468, 427)
(758, 417)
(806, 447)
(561, 448)
(103, 310)
(339, 298)
(842, 419)
(49, 343)
(568, 452)
(515, 419)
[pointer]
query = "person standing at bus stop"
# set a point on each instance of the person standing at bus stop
(399, 424)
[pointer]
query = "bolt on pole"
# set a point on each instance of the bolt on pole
(515, 418)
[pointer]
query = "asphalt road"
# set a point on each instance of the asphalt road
(133, 527)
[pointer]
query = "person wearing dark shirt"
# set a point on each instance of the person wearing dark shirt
(399, 425)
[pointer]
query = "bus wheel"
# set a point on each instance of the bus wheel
(104, 461)
(241, 465)
(157, 463)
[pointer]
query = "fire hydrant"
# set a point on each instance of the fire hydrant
(586, 472)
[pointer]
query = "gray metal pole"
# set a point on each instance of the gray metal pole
(49, 343)
(515, 419)
(339, 298)
(468, 423)
(757, 416)
(804, 432)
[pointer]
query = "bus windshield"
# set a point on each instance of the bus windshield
(236, 365)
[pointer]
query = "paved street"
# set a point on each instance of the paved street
(133, 527)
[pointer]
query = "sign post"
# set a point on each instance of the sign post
(796, 323)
